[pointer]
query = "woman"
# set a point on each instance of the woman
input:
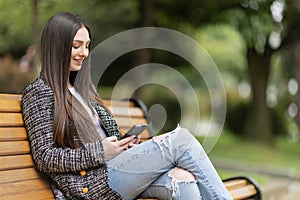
(76, 142)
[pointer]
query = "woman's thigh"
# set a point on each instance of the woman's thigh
(133, 171)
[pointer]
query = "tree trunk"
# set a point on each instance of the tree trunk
(258, 126)
(143, 56)
(146, 19)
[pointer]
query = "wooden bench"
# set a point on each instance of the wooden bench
(20, 180)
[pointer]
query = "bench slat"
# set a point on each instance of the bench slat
(234, 184)
(10, 96)
(126, 122)
(125, 111)
(11, 119)
(10, 106)
(16, 162)
(119, 103)
(243, 193)
(14, 148)
(12, 134)
(45, 194)
(19, 175)
(23, 187)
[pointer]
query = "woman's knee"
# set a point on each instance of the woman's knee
(183, 184)
(160, 137)
(181, 174)
(179, 130)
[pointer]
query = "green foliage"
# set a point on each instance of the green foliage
(254, 25)
(15, 26)
(226, 47)
(164, 97)
(104, 17)
(236, 118)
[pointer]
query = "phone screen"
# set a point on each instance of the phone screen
(135, 130)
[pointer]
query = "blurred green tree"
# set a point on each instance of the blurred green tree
(260, 24)
(15, 27)
(253, 19)
(22, 20)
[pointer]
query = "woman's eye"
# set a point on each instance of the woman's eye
(75, 46)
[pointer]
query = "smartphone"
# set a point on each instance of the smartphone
(135, 130)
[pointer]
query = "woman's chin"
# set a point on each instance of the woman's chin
(75, 68)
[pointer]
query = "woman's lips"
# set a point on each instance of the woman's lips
(78, 62)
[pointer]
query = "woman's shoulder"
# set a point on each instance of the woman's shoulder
(38, 87)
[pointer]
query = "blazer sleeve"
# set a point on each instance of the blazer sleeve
(37, 109)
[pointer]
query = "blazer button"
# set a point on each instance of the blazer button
(82, 172)
(85, 190)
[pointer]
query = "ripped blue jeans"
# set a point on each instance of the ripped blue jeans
(144, 170)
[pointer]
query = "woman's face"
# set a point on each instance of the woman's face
(80, 49)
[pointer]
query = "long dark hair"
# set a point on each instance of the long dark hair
(56, 47)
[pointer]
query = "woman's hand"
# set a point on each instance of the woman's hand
(113, 147)
(136, 140)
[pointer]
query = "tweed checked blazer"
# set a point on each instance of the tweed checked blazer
(64, 165)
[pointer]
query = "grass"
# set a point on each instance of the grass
(283, 155)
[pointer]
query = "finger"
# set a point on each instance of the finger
(134, 141)
(112, 138)
(131, 145)
(126, 140)
(123, 147)
(137, 140)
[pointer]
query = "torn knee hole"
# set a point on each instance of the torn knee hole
(181, 174)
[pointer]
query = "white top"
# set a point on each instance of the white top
(93, 115)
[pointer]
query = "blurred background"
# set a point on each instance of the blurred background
(254, 43)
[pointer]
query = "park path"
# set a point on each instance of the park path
(293, 191)
(281, 189)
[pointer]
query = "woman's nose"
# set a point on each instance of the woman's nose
(84, 52)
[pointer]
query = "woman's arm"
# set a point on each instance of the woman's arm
(37, 109)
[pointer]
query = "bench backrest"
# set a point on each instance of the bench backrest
(18, 177)
(20, 180)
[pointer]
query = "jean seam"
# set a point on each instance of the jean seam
(203, 179)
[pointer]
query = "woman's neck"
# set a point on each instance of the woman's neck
(69, 85)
